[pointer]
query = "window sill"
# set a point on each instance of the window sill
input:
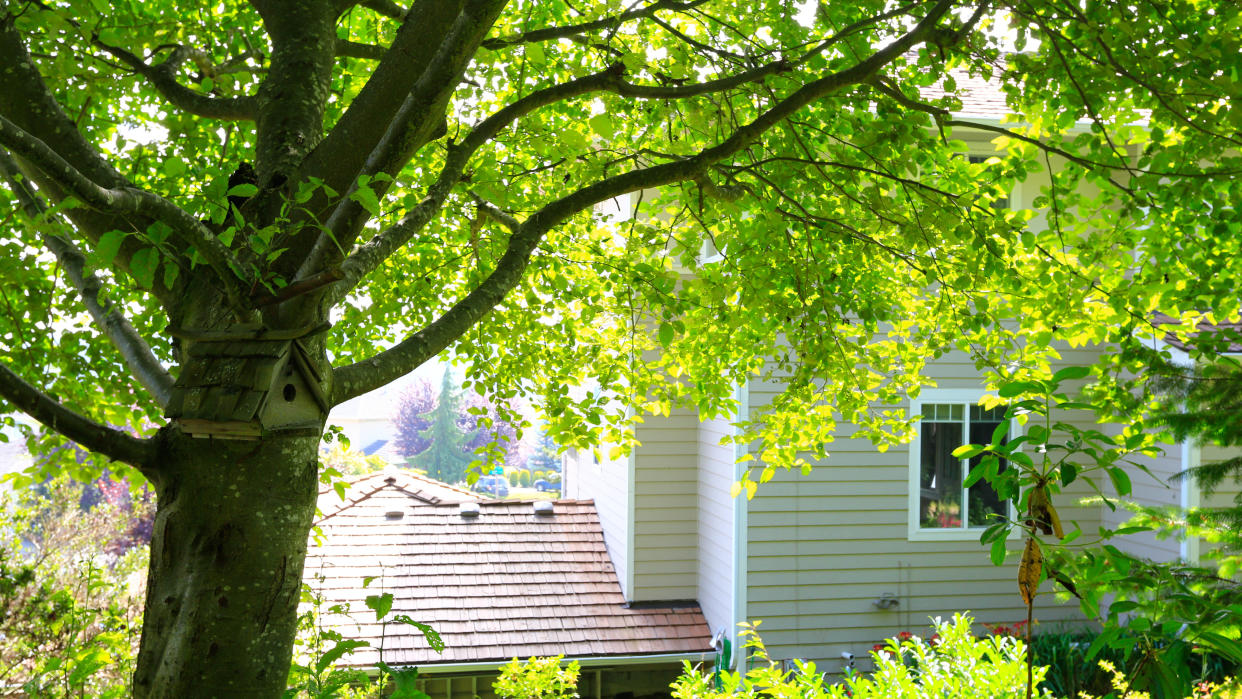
(972, 534)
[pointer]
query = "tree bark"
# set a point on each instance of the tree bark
(226, 565)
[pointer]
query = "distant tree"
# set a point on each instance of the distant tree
(413, 408)
(445, 458)
(545, 457)
(486, 424)
(479, 418)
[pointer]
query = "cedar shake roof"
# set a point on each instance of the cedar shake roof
(507, 583)
(419, 488)
(981, 98)
(1227, 337)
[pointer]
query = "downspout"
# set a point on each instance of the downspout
(1190, 498)
(740, 530)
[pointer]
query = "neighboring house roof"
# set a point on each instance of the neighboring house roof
(420, 489)
(981, 98)
(374, 446)
(1219, 333)
(506, 583)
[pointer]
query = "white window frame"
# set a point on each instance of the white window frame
(966, 397)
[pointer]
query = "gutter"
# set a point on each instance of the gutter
(591, 661)
(741, 508)
(1190, 498)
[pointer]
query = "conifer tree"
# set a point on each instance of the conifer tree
(445, 458)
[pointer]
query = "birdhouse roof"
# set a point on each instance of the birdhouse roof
(230, 381)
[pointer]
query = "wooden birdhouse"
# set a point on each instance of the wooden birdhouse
(241, 389)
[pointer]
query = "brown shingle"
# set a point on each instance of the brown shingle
(503, 584)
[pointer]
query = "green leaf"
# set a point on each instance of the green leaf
(337, 651)
(975, 474)
(382, 604)
(1121, 481)
(574, 139)
(667, 332)
(998, 551)
(243, 190)
(1069, 472)
(171, 272)
(1071, 373)
(367, 199)
(109, 245)
(405, 680)
(432, 636)
(534, 52)
(143, 265)
(1016, 388)
(602, 125)
(968, 451)
(87, 664)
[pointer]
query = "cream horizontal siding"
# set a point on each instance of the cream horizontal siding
(666, 508)
(715, 526)
(607, 483)
(823, 547)
(1153, 489)
(1223, 497)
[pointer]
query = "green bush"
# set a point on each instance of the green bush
(953, 664)
(524, 478)
(554, 478)
(514, 479)
(1070, 673)
(538, 678)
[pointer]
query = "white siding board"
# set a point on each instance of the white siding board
(715, 526)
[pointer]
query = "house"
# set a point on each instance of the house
(497, 580)
(869, 543)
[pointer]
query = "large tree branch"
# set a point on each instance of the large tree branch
(340, 156)
(570, 30)
(355, 379)
(134, 350)
(386, 8)
(129, 200)
(110, 442)
(414, 123)
(164, 78)
(27, 102)
(609, 80)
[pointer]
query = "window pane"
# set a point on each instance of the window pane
(984, 502)
(940, 476)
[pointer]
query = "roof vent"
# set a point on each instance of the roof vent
(394, 514)
(544, 507)
(468, 509)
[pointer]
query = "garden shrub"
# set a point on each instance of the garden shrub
(70, 593)
(514, 479)
(954, 663)
(1072, 674)
(538, 678)
(524, 479)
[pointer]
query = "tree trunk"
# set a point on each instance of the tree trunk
(226, 565)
